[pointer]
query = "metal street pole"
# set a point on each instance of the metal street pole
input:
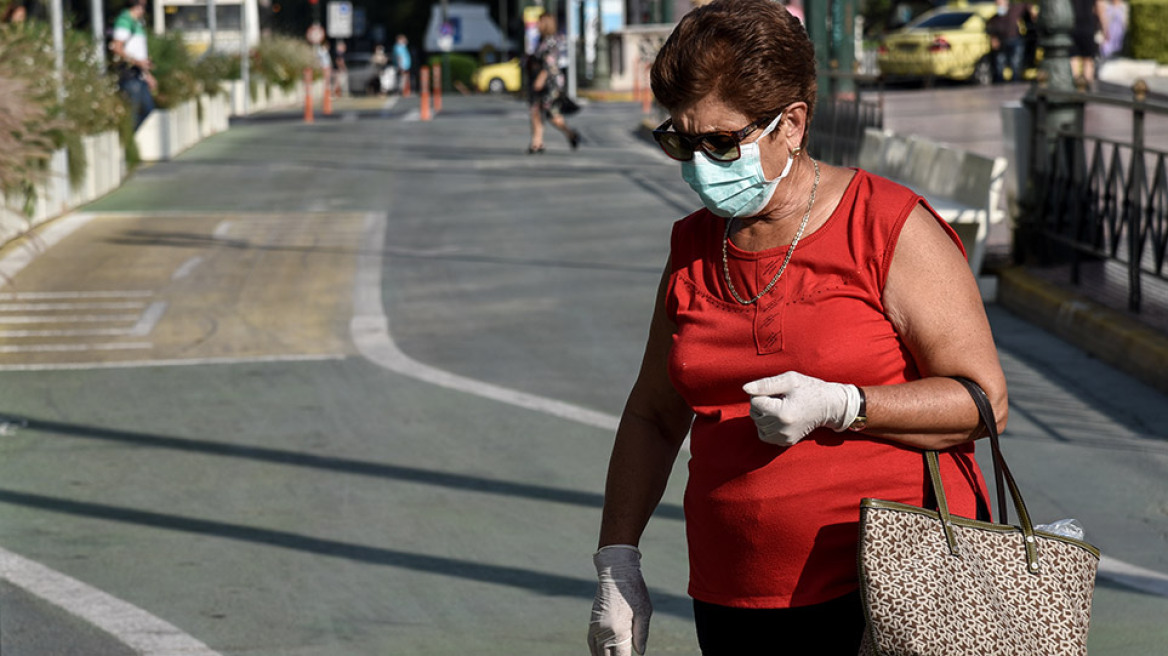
(57, 17)
(503, 24)
(97, 21)
(245, 56)
(211, 25)
(573, 22)
(445, 52)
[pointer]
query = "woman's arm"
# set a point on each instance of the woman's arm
(933, 301)
(652, 428)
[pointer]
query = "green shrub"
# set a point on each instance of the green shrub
(1148, 24)
(281, 60)
(174, 69)
(462, 67)
(91, 102)
(25, 147)
(212, 68)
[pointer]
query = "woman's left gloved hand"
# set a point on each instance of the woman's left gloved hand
(787, 407)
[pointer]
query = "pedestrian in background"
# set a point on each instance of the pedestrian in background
(132, 61)
(806, 326)
(15, 13)
(401, 59)
(380, 62)
(1006, 29)
(1086, 34)
(547, 92)
(340, 69)
(1114, 22)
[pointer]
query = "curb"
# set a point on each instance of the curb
(1111, 336)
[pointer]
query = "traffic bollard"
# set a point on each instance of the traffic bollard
(646, 93)
(326, 104)
(308, 117)
(437, 88)
(425, 92)
(637, 83)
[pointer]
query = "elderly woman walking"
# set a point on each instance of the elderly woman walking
(806, 328)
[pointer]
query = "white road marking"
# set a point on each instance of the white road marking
(222, 229)
(412, 115)
(46, 296)
(75, 348)
(144, 326)
(191, 362)
(149, 319)
(370, 332)
(67, 318)
(144, 633)
(1134, 576)
(44, 307)
(69, 332)
(186, 268)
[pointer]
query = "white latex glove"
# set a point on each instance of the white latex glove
(620, 613)
(787, 407)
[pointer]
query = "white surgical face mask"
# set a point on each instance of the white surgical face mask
(737, 188)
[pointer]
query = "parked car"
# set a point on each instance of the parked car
(364, 77)
(504, 77)
(946, 42)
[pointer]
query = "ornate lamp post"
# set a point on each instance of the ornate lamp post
(1056, 19)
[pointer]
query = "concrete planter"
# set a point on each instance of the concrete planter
(52, 198)
(213, 117)
(104, 170)
(167, 132)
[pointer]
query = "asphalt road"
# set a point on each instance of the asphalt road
(349, 388)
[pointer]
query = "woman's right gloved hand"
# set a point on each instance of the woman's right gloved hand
(621, 611)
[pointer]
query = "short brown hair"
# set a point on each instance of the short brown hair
(753, 54)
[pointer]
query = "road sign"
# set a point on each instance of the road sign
(340, 19)
(315, 34)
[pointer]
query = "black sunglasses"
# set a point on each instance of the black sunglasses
(721, 145)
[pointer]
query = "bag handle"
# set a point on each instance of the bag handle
(1001, 474)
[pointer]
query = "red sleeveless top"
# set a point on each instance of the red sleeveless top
(772, 527)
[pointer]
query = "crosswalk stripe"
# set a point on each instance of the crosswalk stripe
(67, 318)
(73, 348)
(42, 296)
(101, 305)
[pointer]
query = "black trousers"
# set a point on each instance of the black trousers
(833, 628)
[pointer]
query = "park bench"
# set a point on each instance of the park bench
(965, 188)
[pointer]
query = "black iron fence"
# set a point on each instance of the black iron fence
(1092, 198)
(837, 130)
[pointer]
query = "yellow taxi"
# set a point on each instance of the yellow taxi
(946, 42)
(504, 77)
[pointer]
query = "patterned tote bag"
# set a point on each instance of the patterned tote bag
(934, 584)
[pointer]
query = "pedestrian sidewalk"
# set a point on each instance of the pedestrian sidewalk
(1093, 314)
(1119, 74)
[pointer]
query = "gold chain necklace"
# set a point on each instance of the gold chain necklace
(790, 251)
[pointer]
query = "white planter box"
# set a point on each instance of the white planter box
(105, 166)
(13, 222)
(167, 132)
(52, 198)
(214, 115)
